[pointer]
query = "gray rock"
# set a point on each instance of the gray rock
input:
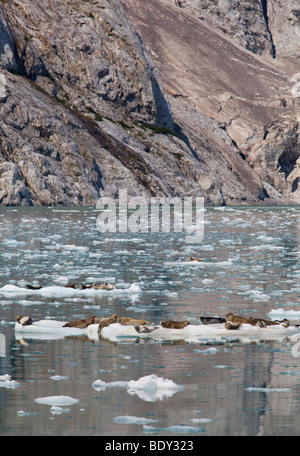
(98, 100)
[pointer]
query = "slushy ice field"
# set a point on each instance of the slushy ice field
(78, 384)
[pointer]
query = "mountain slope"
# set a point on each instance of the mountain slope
(91, 106)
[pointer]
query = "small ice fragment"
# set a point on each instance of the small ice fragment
(132, 420)
(56, 400)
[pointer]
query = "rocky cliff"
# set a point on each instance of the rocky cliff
(164, 98)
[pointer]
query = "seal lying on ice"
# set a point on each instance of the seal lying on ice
(83, 323)
(237, 319)
(145, 328)
(132, 321)
(171, 324)
(24, 321)
(106, 322)
(264, 323)
(212, 320)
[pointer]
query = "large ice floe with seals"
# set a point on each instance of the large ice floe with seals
(63, 291)
(192, 333)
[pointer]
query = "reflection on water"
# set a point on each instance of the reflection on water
(251, 266)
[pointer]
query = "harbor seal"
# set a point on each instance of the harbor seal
(132, 321)
(144, 328)
(212, 320)
(106, 322)
(171, 324)
(263, 323)
(83, 323)
(77, 286)
(237, 319)
(24, 321)
(33, 287)
(231, 325)
(105, 286)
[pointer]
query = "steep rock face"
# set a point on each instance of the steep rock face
(86, 112)
(248, 95)
(241, 20)
(89, 54)
(261, 26)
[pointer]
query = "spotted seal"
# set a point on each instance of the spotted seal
(132, 321)
(78, 286)
(24, 321)
(237, 319)
(231, 325)
(106, 322)
(263, 323)
(171, 324)
(33, 287)
(83, 323)
(105, 286)
(144, 328)
(212, 320)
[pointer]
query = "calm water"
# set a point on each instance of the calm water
(53, 246)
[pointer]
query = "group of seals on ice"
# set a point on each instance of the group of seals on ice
(79, 286)
(235, 321)
(231, 322)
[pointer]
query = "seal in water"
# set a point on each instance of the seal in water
(132, 321)
(106, 322)
(83, 323)
(145, 328)
(212, 320)
(24, 321)
(171, 324)
(194, 259)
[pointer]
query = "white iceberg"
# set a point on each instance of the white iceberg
(149, 388)
(56, 400)
(7, 382)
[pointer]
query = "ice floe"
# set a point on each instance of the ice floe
(200, 263)
(149, 388)
(268, 390)
(193, 333)
(281, 313)
(177, 429)
(7, 382)
(56, 400)
(59, 291)
(133, 420)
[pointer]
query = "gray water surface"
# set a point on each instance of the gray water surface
(227, 387)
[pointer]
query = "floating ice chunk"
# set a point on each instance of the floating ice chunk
(22, 413)
(280, 312)
(133, 420)
(57, 410)
(201, 420)
(206, 351)
(57, 290)
(58, 377)
(268, 390)
(56, 400)
(7, 382)
(180, 429)
(5, 377)
(100, 385)
(149, 388)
